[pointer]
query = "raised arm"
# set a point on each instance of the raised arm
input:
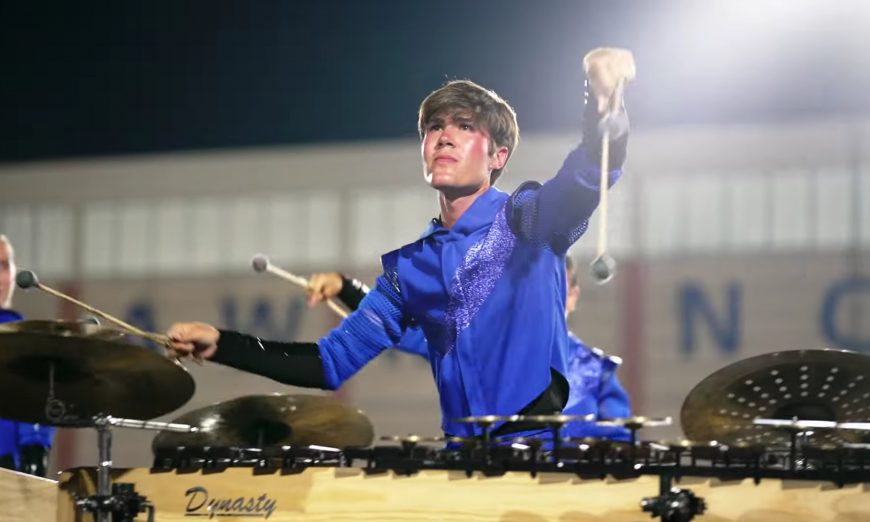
(557, 212)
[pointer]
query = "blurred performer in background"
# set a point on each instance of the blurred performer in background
(486, 281)
(23, 446)
(593, 387)
(592, 382)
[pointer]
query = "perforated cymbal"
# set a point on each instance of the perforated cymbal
(817, 385)
(272, 420)
(97, 370)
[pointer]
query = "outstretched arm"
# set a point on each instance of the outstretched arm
(374, 327)
(557, 212)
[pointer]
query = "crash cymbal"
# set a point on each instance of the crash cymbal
(97, 370)
(272, 420)
(818, 385)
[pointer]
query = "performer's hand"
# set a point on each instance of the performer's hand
(604, 68)
(193, 339)
(323, 286)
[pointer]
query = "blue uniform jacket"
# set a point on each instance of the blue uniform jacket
(488, 294)
(594, 389)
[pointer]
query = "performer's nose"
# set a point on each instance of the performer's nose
(446, 138)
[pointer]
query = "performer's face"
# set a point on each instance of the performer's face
(456, 155)
(7, 276)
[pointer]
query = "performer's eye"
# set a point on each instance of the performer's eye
(434, 127)
(466, 126)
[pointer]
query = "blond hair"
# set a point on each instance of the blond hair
(486, 108)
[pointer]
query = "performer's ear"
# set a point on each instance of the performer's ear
(498, 158)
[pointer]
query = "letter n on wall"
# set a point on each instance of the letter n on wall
(699, 316)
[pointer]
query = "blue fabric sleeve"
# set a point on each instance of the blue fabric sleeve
(353, 291)
(375, 326)
(414, 342)
(557, 212)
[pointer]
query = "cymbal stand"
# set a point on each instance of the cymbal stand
(632, 440)
(113, 502)
(798, 438)
(673, 504)
(119, 502)
(486, 440)
(556, 429)
(55, 409)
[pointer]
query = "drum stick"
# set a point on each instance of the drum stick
(604, 266)
(27, 279)
(261, 264)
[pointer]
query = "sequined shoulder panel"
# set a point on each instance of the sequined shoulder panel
(476, 277)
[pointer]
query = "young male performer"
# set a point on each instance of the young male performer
(486, 281)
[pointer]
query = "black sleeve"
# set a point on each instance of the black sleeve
(593, 130)
(352, 292)
(297, 364)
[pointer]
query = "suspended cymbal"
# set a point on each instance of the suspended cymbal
(819, 385)
(272, 420)
(96, 371)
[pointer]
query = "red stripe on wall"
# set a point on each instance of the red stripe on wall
(633, 278)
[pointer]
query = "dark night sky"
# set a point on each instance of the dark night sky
(136, 77)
